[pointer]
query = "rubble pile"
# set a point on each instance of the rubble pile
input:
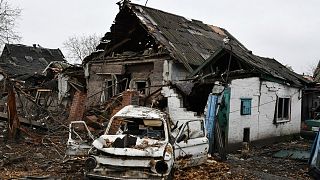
(41, 154)
(37, 154)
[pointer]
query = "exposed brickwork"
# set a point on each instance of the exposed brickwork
(129, 97)
(78, 106)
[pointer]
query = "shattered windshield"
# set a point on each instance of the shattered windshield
(142, 128)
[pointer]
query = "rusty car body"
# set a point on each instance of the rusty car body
(142, 143)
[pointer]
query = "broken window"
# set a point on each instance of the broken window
(283, 109)
(143, 128)
(141, 86)
(192, 130)
(245, 106)
(109, 88)
(107, 91)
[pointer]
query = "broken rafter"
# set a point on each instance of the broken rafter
(211, 60)
(107, 51)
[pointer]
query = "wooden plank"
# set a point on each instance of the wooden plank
(211, 60)
(4, 117)
(111, 69)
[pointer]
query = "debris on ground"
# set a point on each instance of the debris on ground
(43, 156)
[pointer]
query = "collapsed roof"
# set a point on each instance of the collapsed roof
(316, 73)
(190, 42)
(21, 61)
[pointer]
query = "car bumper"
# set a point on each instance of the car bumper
(130, 174)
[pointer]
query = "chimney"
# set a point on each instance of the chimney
(35, 45)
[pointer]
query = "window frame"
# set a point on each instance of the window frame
(144, 90)
(283, 110)
(242, 106)
(188, 130)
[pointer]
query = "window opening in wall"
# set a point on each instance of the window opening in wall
(246, 135)
(109, 89)
(245, 106)
(141, 86)
(283, 109)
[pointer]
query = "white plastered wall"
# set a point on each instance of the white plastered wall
(261, 121)
(174, 72)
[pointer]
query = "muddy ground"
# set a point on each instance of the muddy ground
(41, 154)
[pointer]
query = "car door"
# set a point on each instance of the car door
(191, 144)
(80, 139)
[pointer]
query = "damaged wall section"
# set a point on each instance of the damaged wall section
(142, 75)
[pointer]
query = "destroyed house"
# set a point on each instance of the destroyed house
(311, 97)
(148, 48)
(24, 62)
(31, 73)
(153, 51)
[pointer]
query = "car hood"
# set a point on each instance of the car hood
(144, 147)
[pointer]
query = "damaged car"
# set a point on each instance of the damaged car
(142, 143)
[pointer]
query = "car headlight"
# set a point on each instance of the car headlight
(161, 167)
(91, 163)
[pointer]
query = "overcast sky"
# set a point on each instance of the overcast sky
(286, 30)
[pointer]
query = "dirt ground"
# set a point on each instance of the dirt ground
(258, 164)
(41, 154)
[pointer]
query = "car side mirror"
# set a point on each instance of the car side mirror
(181, 138)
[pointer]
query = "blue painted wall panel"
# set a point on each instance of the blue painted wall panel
(210, 117)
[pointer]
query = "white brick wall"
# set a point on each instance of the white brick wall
(175, 109)
(260, 122)
(174, 72)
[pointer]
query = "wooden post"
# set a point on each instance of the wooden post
(13, 120)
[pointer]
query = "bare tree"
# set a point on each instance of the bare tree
(8, 17)
(79, 47)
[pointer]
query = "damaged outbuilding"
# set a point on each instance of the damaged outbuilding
(33, 72)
